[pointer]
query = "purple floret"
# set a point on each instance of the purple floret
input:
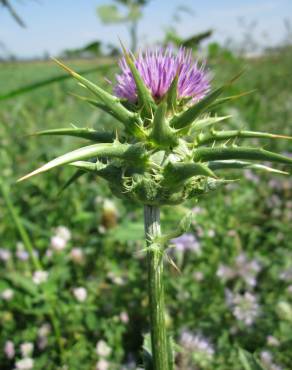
(158, 68)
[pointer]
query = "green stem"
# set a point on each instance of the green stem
(156, 290)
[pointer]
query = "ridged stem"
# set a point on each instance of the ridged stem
(156, 290)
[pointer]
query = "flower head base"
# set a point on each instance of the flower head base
(158, 69)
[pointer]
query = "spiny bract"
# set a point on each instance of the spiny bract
(168, 150)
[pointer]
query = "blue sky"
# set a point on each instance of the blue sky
(54, 25)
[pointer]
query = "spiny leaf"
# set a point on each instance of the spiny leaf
(177, 173)
(217, 153)
(145, 99)
(96, 104)
(110, 101)
(188, 116)
(171, 95)
(200, 124)
(225, 135)
(85, 133)
(88, 166)
(162, 134)
(115, 150)
(233, 164)
(221, 101)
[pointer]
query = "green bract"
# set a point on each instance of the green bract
(168, 151)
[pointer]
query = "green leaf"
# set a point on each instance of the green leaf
(171, 95)
(218, 153)
(188, 116)
(177, 173)
(88, 166)
(114, 150)
(248, 361)
(97, 104)
(110, 101)
(233, 164)
(221, 101)
(95, 150)
(49, 81)
(162, 135)
(202, 123)
(226, 135)
(85, 133)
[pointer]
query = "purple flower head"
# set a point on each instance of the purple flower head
(158, 68)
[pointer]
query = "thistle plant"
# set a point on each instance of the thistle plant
(169, 150)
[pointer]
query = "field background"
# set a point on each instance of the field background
(250, 217)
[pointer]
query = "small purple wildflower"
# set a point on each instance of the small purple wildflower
(158, 68)
(244, 307)
(187, 242)
(196, 343)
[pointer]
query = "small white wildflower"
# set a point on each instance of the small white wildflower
(40, 276)
(24, 364)
(80, 294)
(267, 361)
(266, 357)
(44, 330)
(101, 229)
(273, 341)
(7, 294)
(211, 233)
(98, 199)
(102, 349)
(63, 232)
(199, 276)
(9, 349)
(58, 243)
(5, 255)
(77, 255)
(102, 364)
(26, 349)
(286, 275)
(289, 289)
(124, 317)
(116, 279)
(42, 343)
